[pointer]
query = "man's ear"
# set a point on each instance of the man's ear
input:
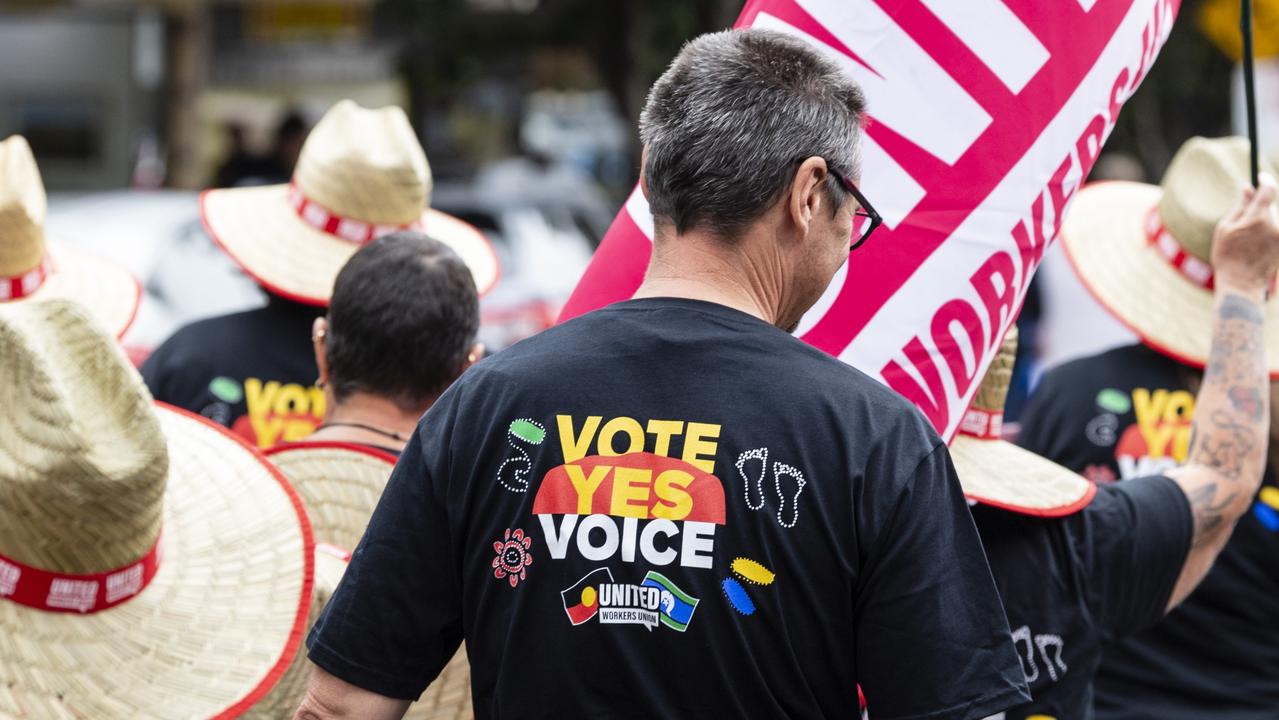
(476, 355)
(643, 180)
(807, 197)
(320, 331)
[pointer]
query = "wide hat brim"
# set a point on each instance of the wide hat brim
(109, 293)
(262, 232)
(998, 473)
(447, 698)
(215, 629)
(1104, 237)
(339, 483)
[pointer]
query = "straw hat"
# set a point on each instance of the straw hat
(151, 564)
(1144, 251)
(1001, 474)
(32, 269)
(361, 174)
(340, 485)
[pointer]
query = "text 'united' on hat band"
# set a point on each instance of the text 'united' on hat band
(66, 592)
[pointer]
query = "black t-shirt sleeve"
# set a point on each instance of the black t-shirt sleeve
(932, 638)
(1137, 535)
(395, 620)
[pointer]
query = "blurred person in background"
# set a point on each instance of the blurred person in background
(400, 329)
(1147, 253)
(245, 168)
(361, 174)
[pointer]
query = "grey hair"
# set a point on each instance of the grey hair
(728, 122)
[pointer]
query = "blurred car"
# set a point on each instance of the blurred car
(158, 237)
(542, 248)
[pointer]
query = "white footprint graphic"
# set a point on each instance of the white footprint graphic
(752, 479)
(788, 501)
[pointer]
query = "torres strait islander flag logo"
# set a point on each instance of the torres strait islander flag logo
(985, 116)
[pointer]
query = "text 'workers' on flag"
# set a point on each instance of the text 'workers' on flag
(986, 116)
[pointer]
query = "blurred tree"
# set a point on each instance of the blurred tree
(1187, 93)
(451, 46)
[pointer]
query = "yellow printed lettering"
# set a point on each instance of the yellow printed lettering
(574, 448)
(257, 398)
(700, 446)
(630, 426)
(1148, 409)
(1158, 439)
(1181, 443)
(1180, 407)
(266, 429)
(630, 484)
(586, 486)
(663, 431)
(675, 503)
(291, 399)
(317, 402)
(296, 428)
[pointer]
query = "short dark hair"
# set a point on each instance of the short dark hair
(402, 320)
(727, 124)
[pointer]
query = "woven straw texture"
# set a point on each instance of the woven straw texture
(109, 292)
(23, 207)
(225, 611)
(362, 164)
(1104, 238)
(1000, 473)
(339, 487)
(448, 698)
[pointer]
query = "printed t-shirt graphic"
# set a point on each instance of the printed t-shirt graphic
(253, 372)
(657, 574)
(1217, 654)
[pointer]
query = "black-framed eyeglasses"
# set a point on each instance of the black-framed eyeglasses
(871, 220)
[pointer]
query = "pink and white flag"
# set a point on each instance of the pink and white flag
(985, 118)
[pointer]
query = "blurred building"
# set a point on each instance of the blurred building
(114, 93)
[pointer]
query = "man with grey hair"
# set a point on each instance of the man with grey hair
(774, 527)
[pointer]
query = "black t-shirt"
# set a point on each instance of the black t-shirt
(668, 508)
(253, 372)
(1071, 584)
(1124, 413)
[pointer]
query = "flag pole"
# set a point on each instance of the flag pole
(1249, 85)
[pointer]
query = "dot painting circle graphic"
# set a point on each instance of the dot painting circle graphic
(512, 556)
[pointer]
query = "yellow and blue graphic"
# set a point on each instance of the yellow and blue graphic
(752, 572)
(1266, 509)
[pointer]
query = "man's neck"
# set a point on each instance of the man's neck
(387, 419)
(699, 266)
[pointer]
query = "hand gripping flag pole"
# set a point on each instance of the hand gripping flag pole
(1249, 84)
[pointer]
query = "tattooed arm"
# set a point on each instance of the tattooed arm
(1227, 452)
